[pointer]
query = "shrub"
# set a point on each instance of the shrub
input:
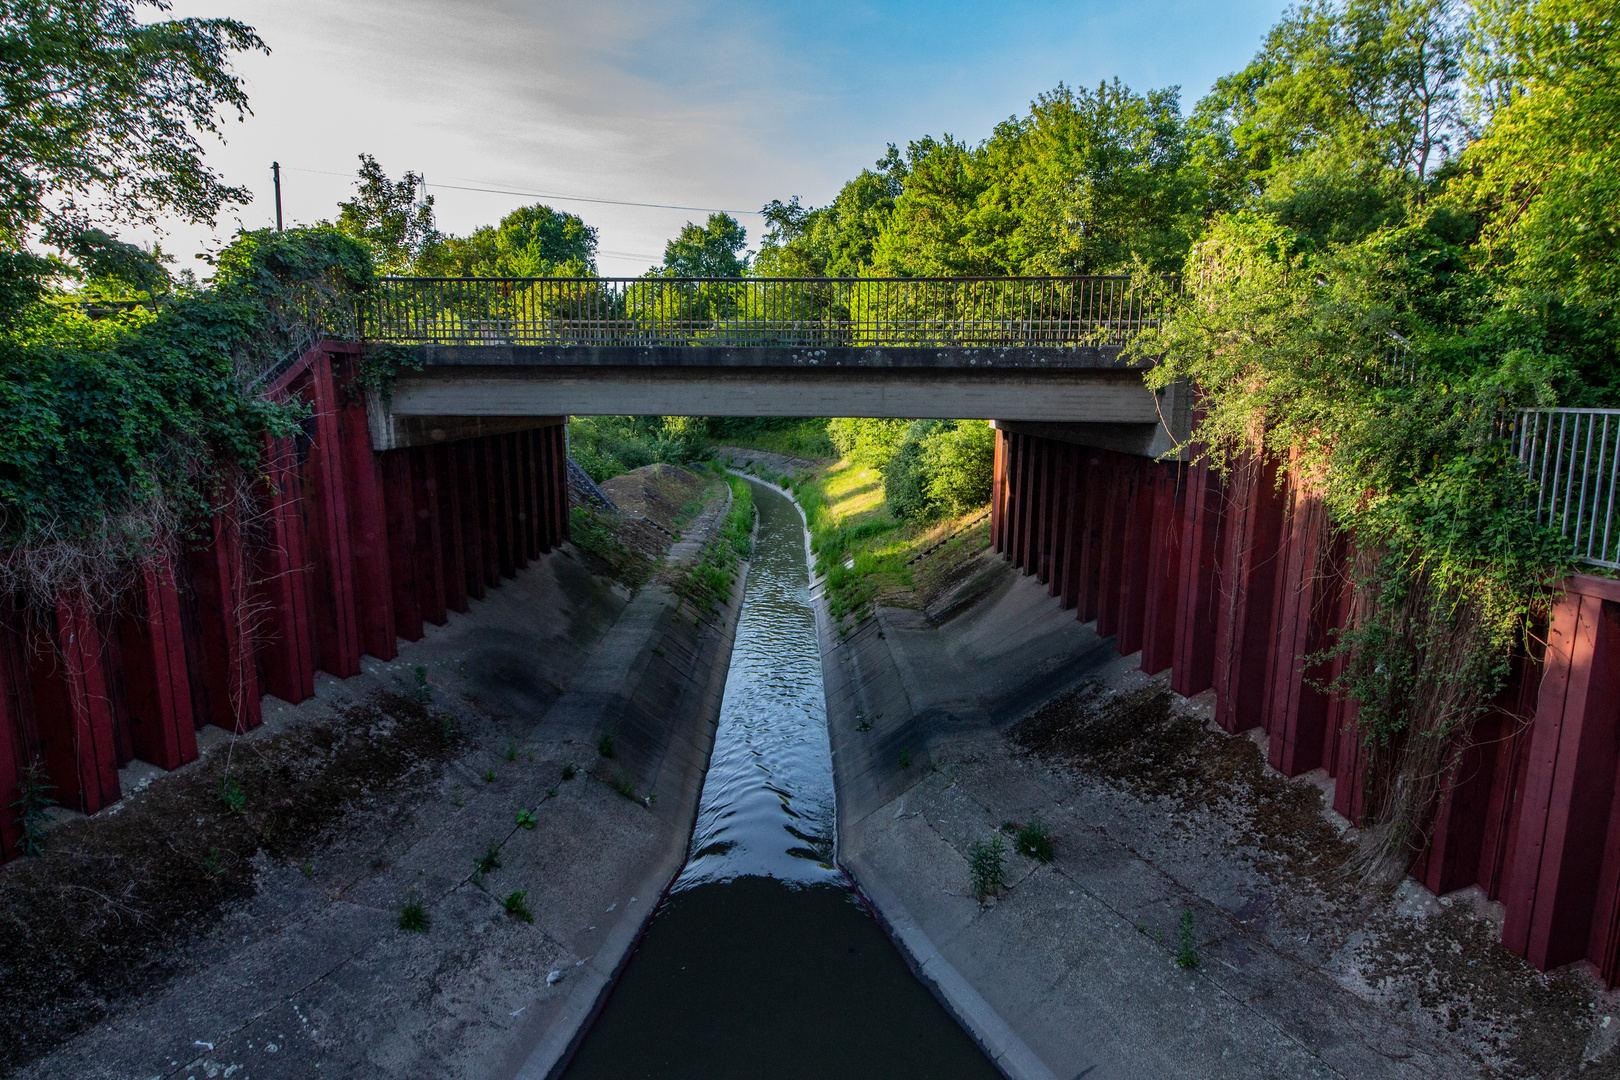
(905, 479)
(958, 459)
(868, 442)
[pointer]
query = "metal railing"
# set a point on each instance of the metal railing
(1573, 457)
(793, 312)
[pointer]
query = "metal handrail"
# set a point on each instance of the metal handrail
(1025, 311)
(1573, 459)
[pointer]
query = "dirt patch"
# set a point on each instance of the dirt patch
(98, 918)
(668, 495)
(1139, 742)
(1452, 966)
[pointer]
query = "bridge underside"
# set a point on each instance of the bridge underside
(1095, 397)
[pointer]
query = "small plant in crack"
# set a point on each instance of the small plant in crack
(987, 863)
(489, 776)
(489, 860)
(424, 692)
(569, 771)
(511, 752)
(517, 904)
(605, 745)
(231, 795)
(1034, 840)
(1186, 948)
(525, 819)
(413, 916)
(905, 758)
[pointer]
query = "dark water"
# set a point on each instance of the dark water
(762, 964)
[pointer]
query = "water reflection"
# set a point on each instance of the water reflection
(767, 806)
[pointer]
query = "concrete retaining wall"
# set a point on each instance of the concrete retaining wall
(337, 551)
(1233, 584)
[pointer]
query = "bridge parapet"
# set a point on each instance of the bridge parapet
(1015, 313)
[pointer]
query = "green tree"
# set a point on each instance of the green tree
(531, 241)
(387, 216)
(834, 240)
(100, 113)
(708, 250)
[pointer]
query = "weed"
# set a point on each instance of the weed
(1186, 950)
(905, 758)
(622, 784)
(987, 862)
(457, 799)
(213, 866)
(525, 819)
(489, 776)
(231, 794)
(605, 746)
(424, 692)
(34, 787)
(413, 916)
(864, 725)
(511, 752)
(657, 651)
(569, 771)
(308, 869)
(489, 860)
(518, 904)
(447, 733)
(551, 792)
(1035, 841)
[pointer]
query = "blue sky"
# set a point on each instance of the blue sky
(701, 104)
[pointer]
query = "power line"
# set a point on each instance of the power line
(549, 195)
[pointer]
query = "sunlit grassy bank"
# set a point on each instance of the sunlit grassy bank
(866, 555)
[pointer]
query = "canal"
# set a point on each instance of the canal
(762, 963)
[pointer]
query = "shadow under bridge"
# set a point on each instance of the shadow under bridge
(1039, 352)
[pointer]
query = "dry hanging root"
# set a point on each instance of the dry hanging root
(1423, 663)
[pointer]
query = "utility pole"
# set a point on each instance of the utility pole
(275, 170)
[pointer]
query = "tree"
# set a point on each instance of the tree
(100, 118)
(388, 218)
(834, 240)
(709, 250)
(532, 241)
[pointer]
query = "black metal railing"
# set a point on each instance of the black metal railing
(794, 312)
(1573, 457)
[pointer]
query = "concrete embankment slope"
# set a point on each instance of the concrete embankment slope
(314, 976)
(1071, 971)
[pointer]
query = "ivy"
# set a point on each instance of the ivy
(113, 441)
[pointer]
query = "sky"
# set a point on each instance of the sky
(698, 106)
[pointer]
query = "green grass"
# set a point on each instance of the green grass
(517, 905)
(413, 917)
(1034, 840)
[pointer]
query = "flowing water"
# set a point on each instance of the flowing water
(762, 964)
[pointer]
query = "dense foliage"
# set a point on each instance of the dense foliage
(120, 434)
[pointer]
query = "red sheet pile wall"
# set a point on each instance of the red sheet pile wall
(346, 551)
(1232, 584)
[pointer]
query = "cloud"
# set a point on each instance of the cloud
(725, 103)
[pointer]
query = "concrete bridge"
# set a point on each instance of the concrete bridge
(1039, 351)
